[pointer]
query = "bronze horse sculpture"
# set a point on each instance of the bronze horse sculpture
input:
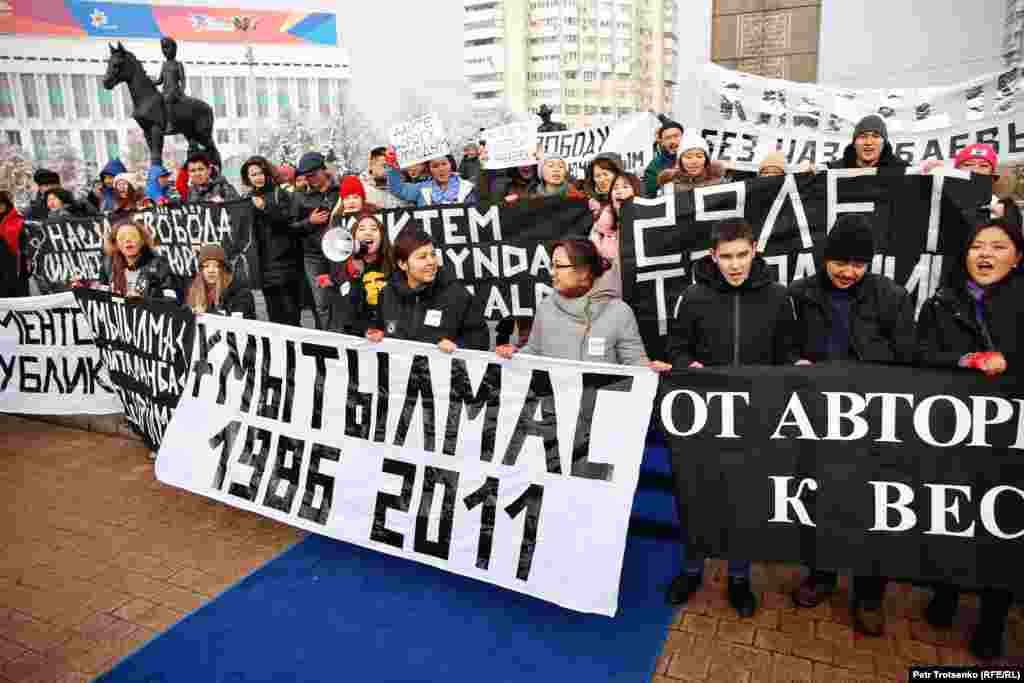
(192, 118)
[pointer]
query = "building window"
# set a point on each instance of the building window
(241, 98)
(39, 145)
(55, 95)
(485, 95)
(6, 97)
(572, 109)
(195, 87)
(283, 101)
(474, 25)
(243, 136)
(339, 89)
(323, 87)
(81, 96)
(590, 109)
(481, 41)
(13, 137)
(588, 75)
(126, 100)
(88, 146)
(28, 86)
(105, 98)
(112, 145)
(570, 75)
(220, 98)
(223, 136)
(262, 98)
(304, 99)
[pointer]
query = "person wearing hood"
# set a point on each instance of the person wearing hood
(973, 322)
(572, 324)
(215, 289)
(444, 186)
(870, 147)
(280, 254)
(204, 186)
(670, 135)
(425, 303)
(694, 167)
(11, 234)
(158, 185)
(108, 200)
(375, 181)
(600, 174)
(127, 198)
(45, 180)
(845, 313)
(734, 314)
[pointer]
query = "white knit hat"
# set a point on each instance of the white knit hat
(693, 140)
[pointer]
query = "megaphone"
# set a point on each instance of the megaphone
(338, 245)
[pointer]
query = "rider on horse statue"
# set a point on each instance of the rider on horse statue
(172, 77)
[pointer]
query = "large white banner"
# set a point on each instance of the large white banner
(631, 137)
(519, 473)
(744, 116)
(49, 364)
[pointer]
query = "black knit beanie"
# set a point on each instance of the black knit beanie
(872, 123)
(851, 239)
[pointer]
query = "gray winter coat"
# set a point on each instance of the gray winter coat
(602, 332)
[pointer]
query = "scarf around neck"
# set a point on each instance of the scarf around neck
(578, 308)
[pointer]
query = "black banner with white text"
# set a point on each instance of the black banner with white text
(884, 470)
(918, 222)
(146, 345)
(60, 250)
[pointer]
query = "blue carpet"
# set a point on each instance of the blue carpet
(330, 611)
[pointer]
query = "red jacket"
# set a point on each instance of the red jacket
(10, 231)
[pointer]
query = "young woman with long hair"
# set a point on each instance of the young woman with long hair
(215, 289)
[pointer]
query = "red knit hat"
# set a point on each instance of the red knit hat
(351, 184)
(977, 151)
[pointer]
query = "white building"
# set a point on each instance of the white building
(589, 60)
(51, 85)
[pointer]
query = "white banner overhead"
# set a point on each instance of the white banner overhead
(49, 364)
(745, 116)
(519, 473)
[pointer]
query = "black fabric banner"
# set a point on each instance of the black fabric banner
(146, 345)
(499, 252)
(918, 220)
(889, 471)
(62, 249)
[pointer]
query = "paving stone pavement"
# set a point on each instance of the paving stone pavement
(97, 557)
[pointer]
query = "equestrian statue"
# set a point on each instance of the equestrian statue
(160, 115)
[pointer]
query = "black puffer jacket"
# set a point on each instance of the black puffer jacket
(881, 319)
(355, 297)
(156, 271)
(217, 187)
(237, 298)
(303, 205)
(885, 160)
(948, 328)
(718, 324)
(280, 251)
(443, 309)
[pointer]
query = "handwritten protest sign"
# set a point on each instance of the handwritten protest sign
(511, 145)
(419, 140)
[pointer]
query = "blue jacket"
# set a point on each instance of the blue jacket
(153, 188)
(420, 192)
(113, 168)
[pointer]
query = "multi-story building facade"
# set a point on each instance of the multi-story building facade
(767, 37)
(53, 56)
(589, 60)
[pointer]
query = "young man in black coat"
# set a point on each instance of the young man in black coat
(845, 313)
(733, 314)
(870, 147)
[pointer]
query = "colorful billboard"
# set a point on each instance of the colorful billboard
(115, 20)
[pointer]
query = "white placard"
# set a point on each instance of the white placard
(48, 362)
(420, 139)
(406, 450)
(631, 137)
(511, 145)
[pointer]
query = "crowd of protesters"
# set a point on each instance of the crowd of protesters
(734, 313)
